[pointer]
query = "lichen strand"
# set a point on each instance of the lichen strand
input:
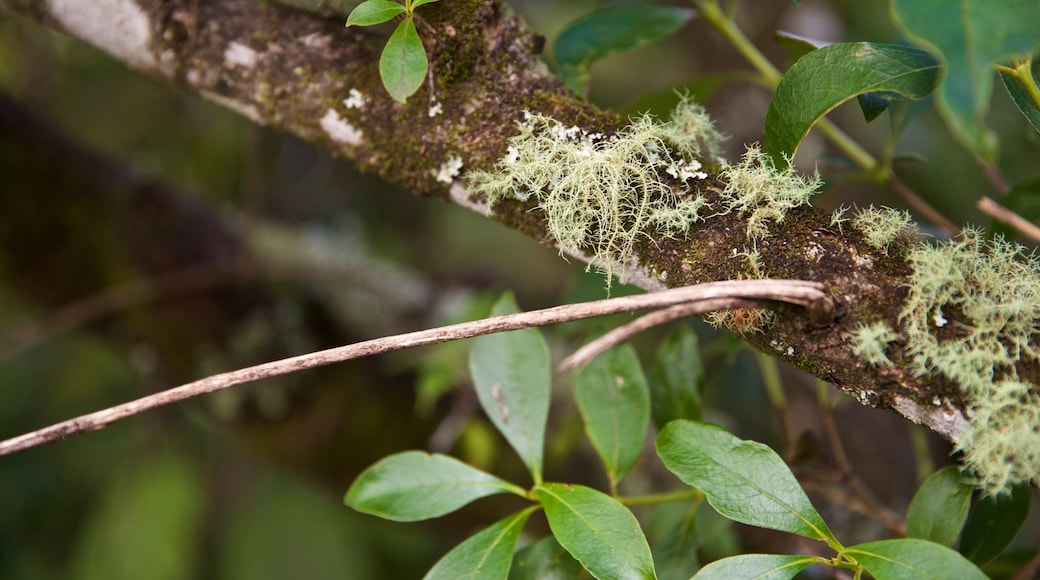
(870, 343)
(755, 188)
(601, 193)
(884, 228)
(971, 315)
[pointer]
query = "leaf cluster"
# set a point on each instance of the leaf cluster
(744, 481)
(403, 63)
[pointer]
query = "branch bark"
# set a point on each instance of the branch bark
(292, 70)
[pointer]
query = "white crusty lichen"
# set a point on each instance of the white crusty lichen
(884, 227)
(601, 193)
(870, 343)
(991, 291)
(449, 170)
(765, 194)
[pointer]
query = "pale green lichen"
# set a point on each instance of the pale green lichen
(601, 194)
(992, 289)
(885, 227)
(765, 194)
(838, 218)
(870, 343)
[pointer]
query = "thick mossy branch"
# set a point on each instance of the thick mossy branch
(600, 193)
(972, 315)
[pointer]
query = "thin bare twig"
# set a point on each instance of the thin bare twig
(921, 206)
(586, 353)
(810, 295)
(1003, 214)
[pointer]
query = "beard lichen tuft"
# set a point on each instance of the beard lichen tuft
(601, 193)
(870, 343)
(990, 290)
(765, 194)
(884, 227)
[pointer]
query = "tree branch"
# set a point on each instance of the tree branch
(292, 70)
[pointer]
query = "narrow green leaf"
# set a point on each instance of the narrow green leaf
(403, 64)
(675, 384)
(826, 78)
(743, 480)
(544, 560)
(756, 566)
(675, 555)
(597, 530)
(512, 377)
(372, 12)
(418, 3)
(940, 507)
(993, 523)
(614, 401)
(1016, 87)
(910, 559)
(971, 36)
(612, 30)
(486, 555)
(415, 485)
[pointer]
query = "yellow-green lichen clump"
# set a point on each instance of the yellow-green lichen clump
(972, 315)
(601, 193)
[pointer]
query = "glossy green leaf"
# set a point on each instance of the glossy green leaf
(403, 64)
(971, 36)
(614, 401)
(612, 30)
(993, 524)
(826, 78)
(912, 559)
(675, 383)
(486, 555)
(597, 530)
(757, 566)
(544, 560)
(940, 507)
(743, 480)
(372, 12)
(1017, 87)
(512, 377)
(675, 554)
(415, 485)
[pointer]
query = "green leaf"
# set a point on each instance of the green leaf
(826, 78)
(743, 480)
(484, 556)
(597, 530)
(512, 377)
(797, 46)
(403, 64)
(909, 559)
(1017, 88)
(940, 507)
(544, 560)
(372, 12)
(415, 485)
(675, 555)
(614, 401)
(971, 36)
(675, 384)
(757, 566)
(612, 30)
(418, 3)
(993, 524)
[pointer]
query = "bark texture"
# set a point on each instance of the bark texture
(292, 70)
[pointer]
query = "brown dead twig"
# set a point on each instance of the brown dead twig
(670, 303)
